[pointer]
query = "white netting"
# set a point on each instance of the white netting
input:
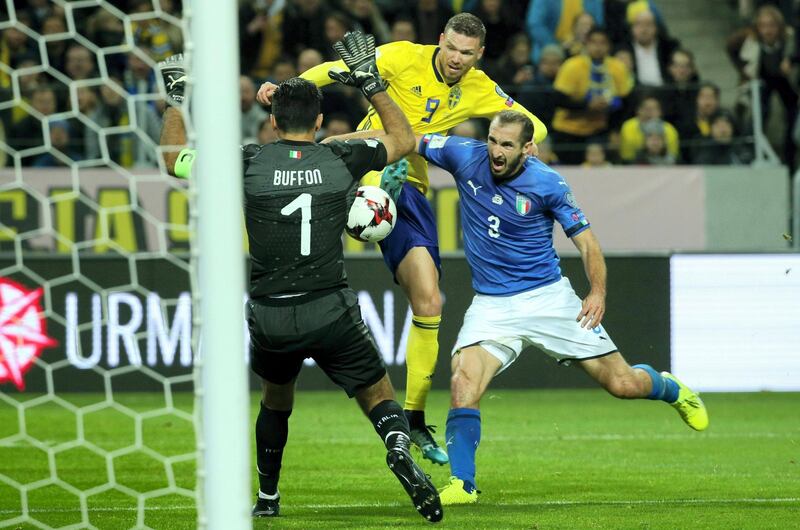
(97, 421)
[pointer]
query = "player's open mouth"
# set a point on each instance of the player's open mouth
(497, 165)
(454, 68)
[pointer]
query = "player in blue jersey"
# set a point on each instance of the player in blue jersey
(509, 202)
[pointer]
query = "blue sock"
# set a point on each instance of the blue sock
(663, 388)
(463, 434)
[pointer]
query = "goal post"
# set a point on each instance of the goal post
(112, 273)
(225, 494)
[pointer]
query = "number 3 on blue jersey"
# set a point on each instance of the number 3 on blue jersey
(430, 107)
(494, 226)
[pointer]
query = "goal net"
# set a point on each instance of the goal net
(97, 320)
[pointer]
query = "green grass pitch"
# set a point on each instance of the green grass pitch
(548, 459)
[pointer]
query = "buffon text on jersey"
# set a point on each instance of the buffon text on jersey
(297, 177)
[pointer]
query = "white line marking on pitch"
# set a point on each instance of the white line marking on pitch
(539, 438)
(639, 502)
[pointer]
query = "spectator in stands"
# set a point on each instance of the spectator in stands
(83, 137)
(336, 25)
(138, 77)
(60, 132)
(14, 47)
(679, 95)
(595, 156)
(308, 59)
(260, 36)
(53, 25)
(252, 113)
(175, 32)
(550, 60)
(27, 132)
(27, 84)
(104, 29)
(590, 92)
(79, 63)
(127, 148)
(654, 152)
(580, 30)
(368, 18)
(764, 51)
(500, 24)
(430, 17)
(403, 29)
(540, 94)
(698, 127)
(38, 11)
(651, 52)
(551, 21)
(283, 69)
(304, 26)
(514, 67)
(620, 14)
(626, 57)
(546, 153)
(151, 32)
(337, 124)
(468, 129)
(722, 148)
(632, 134)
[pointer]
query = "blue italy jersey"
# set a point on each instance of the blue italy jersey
(508, 225)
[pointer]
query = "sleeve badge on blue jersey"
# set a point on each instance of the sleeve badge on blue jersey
(523, 204)
(570, 198)
(434, 141)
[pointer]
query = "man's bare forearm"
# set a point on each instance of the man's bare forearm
(594, 264)
(173, 135)
(396, 126)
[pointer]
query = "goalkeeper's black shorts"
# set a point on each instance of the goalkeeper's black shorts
(328, 329)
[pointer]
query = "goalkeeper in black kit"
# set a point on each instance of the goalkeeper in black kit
(296, 199)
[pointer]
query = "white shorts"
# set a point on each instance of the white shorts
(543, 317)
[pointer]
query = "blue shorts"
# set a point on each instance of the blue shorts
(415, 227)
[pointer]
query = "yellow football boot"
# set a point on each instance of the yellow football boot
(454, 493)
(689, 406)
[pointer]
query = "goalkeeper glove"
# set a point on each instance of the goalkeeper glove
(393, 178)
(357, 50)
(174, 75)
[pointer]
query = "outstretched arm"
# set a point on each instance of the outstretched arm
(177, 157)
(398, 138)
(357, 50)
(594, 305)
(173, 137)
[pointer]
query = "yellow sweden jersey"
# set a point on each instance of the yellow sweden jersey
(429, 103)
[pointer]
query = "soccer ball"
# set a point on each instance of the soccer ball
(372, 215)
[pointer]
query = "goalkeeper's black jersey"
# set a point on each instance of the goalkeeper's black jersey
(296, 197)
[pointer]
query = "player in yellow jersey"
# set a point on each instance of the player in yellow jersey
(436, 87)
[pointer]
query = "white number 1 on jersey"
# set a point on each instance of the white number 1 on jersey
(494, 226)
(303, 202)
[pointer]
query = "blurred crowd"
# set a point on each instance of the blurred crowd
(606, 76)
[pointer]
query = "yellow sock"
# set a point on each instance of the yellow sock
(421, 353)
